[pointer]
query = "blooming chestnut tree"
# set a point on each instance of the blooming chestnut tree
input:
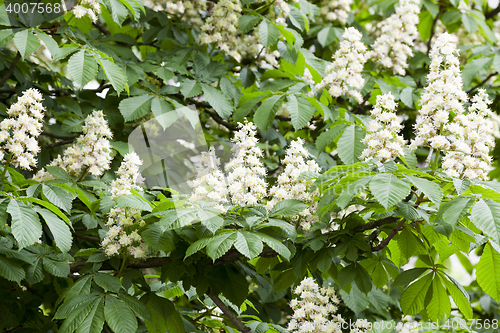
(305, 166)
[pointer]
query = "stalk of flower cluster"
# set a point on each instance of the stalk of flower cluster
(90, 153)
(383, 140)
(398, 32)
(443, 97)
(343, 75)
(209, 184)
(245, 170)
(289, 187)
(19, 132)
(90, 8)
(336, 10)
(315, 311)
(122, 236)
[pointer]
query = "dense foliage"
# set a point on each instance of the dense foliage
(249, 165)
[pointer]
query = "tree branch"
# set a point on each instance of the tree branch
(86, 237)
(229, 314)
(12, 68)
(492, 13)
(59, 143)
(221, 121)
(482, 82)
(388, 239)
(375, 224)
(55, 136)
(433, 28)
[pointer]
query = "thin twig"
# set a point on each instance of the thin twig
(482, 82)
(86, 237)
(12, 68)
(221, 121)
(388, 239)
(55, 136)
(229, 314)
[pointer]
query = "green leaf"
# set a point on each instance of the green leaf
(326, 36)
(288, 207)
(460, 297)
(486, 216)
(26, 226)
(264, 115)
(248, 244)
(136, 305)
(412, 299)
(301, 111)
(389, 189)
(58, 172)
(58, 196)
(469, 23)
(349, 146)
(49, 42)
(355, 299)
(432, 190)
(82, 68)
(56, 268)
(247, 22)
(220, 244)
(165, 316)
(135, 107)
(197, 246)
(221, 104)
(59, 229)
(94, 321)
(439, 304)
(26, 43)
(325, 138)
(451, 211)
(133, 201)
(472, 68)
(268, 33)
(351, 190)
(190, 88)
(406, 97)
(107, 282)
(157, 239)
(119, 316)
(275, 244)
(115, 75)
(210, 220)
(79, 313)
(488, 272)
(11, 270)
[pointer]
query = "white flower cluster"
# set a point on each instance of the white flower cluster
(315, 311)
(343, 75)
(19, 131)
(122, 236)
(398, 33)
(472, 139)
(222, 27)
(189, 11)
(443, 96)
(209, 184)
(90, 8)
(91, 152)
(245, 170)
(383, 140)
(289, 187)
(336, 10)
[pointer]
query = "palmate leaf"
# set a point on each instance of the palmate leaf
(459, 295)
(82, 68)
(349, 146)
(248, 244)
(26, 226)
(26, 43)
(58, 228)
(430, 189)
(11, 270)
(119, 316)
(389, 189)
(220, 244)
(94, 321)
(488, 272)
(301, 111)
(439, 304)
(221, 104)
(107, 282)
(412, 300)
(486, 216)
